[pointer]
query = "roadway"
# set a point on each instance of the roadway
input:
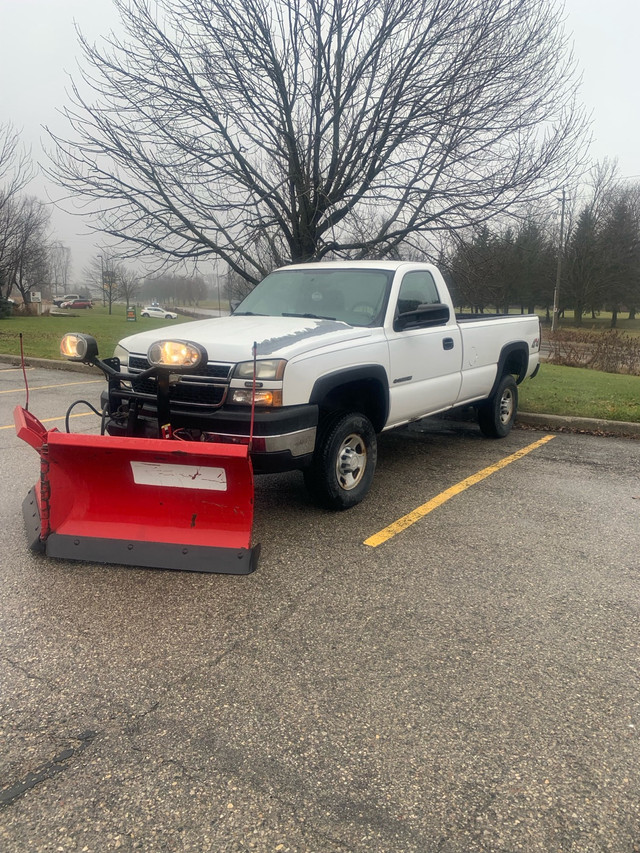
(469, 683)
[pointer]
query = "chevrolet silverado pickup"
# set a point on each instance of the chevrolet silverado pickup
(321, 357)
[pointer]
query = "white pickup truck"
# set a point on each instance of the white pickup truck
(343, 351)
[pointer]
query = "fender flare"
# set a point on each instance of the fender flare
(373, 373)
(517, 347)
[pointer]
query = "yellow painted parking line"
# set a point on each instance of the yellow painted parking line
(47, 387)
(411, 518)
(50, 420)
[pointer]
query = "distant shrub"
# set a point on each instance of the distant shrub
(611, 351)
(6, 308)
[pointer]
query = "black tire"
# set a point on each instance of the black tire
(344, 462)
(497, 415)
(167, 316)
(144, 314)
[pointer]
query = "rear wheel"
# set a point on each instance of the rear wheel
(497, 415)
(344, 462)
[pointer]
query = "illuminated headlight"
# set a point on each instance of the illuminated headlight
(268, 368)
(78, 347)
(264, 397)
(122, 354)
(176, 354)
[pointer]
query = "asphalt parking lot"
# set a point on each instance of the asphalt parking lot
(468, 684)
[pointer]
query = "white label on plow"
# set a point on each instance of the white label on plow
(179, 476)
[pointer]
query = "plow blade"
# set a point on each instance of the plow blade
(140, 501)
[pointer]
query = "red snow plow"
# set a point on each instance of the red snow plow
(152, 502)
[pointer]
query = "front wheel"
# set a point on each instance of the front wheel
(344, 462)
(496, 416)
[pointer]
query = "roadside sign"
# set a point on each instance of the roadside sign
(131, 313)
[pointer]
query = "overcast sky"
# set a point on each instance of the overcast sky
(39, 48)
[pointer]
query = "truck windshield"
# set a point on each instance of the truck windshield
(354, 296)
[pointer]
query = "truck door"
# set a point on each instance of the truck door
(425, 363)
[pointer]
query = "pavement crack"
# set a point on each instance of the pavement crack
(48, 770)
(24, 670)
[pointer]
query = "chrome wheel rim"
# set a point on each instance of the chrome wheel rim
(351, 462)
(506, 406)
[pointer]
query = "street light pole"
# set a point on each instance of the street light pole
(556, 292)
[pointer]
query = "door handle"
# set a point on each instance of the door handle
(447, 343)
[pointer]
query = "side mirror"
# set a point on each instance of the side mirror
(423, 317)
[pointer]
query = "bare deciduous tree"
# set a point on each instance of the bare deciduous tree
(59, 266)
(128, 284)
(25, 257)
(15, 174)
(102, 274)
(265, 131)
(112, 279)
(15, 165)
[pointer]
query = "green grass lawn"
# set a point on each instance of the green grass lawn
(582, 393)
(555, 390)
(41, 335)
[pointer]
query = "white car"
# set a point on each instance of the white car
(156, 311)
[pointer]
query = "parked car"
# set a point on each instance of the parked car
(68, 297)
(157, 311)
(78, 303)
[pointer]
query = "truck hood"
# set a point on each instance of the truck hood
(231, 339)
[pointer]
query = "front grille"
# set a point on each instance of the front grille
(213, 371)
(199, 389)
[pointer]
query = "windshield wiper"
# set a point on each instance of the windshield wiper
(247, 314)
(308, 316)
